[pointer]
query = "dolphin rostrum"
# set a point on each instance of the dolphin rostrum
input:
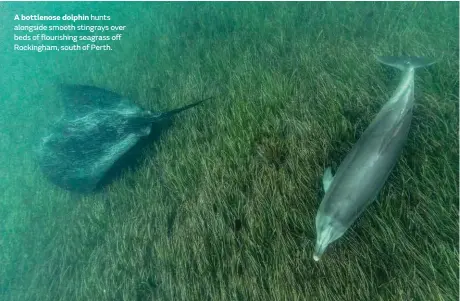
(367, 166)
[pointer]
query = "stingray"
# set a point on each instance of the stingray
(96, 132)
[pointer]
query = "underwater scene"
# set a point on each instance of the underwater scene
(229, 151)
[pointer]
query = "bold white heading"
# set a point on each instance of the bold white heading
(65, 17)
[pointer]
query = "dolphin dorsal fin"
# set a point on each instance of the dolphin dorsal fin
(405, 118)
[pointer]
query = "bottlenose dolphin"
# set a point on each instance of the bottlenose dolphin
(367, 166)
(97, 133)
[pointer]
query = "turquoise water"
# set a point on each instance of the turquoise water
(220, 205)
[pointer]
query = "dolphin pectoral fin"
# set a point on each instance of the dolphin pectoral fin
(327, 179)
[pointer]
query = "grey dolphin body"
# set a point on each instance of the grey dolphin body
(367, 166)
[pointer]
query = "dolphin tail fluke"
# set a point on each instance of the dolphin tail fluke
(406, 62)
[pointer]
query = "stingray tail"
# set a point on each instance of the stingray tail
(406, 62)
(175, 111)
